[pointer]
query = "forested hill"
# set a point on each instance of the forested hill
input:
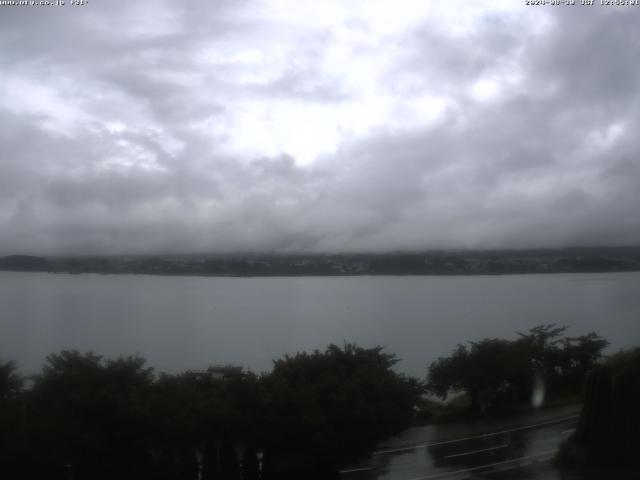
(424, 263)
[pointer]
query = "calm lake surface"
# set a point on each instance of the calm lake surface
(181, 323)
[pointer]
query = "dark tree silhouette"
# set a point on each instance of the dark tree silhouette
(496, 372)
(325, 408)
(88, 417)
(12, 422)
(609, 426)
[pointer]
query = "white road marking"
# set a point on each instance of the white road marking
(353, 470)
(476, 451)
(571, 430)
(427, 445)
(481, 467)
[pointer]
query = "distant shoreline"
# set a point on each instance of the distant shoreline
(323, 275)
(465, 263)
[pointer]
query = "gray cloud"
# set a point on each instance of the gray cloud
(153, 127)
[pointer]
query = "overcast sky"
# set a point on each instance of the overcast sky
(317, 125)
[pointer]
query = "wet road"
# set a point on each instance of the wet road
(518, 450)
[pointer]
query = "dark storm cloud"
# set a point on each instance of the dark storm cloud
(123, 130)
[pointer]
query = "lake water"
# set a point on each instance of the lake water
(181, 323)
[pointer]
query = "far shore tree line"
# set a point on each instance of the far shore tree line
(87, 417)
(490, 262)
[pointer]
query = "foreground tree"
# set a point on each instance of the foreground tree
(12, 426)
(497, 372)
(609, 427)
(326, 408)
(10, 381)
(483, 371)
(88, 417)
